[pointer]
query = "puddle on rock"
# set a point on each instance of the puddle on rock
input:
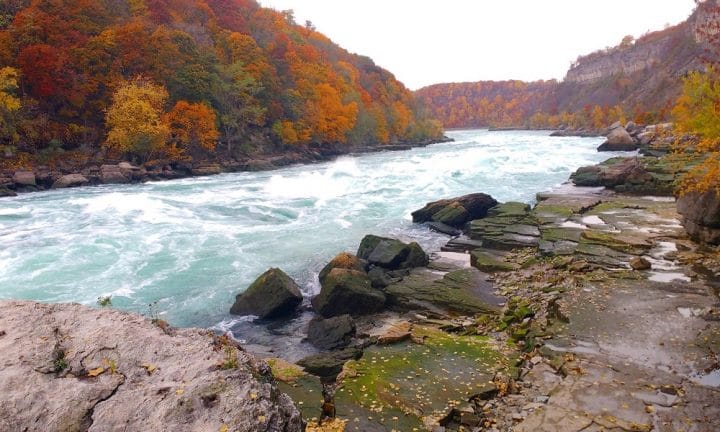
(593, 220)
(711, 379)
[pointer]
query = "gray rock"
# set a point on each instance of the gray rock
(113, 174)
(391, 254)
(640, 263)
(70, 180)
(5, 192)
(701, 216)
(331, 333)
(646, 138)
(24, 178)
(329, 365)
(619, 140)
(455, 212)
(274, 294)
(70, 367)
(347, 292)
(444, 229)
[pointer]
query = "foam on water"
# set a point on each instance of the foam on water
(193, 244)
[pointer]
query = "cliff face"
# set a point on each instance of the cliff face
(642, 77)
(676, 48)
(69, 367)
(644, 54)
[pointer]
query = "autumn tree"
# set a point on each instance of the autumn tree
(697, 113)
(134, 119)
(9, 105)
(192, 127)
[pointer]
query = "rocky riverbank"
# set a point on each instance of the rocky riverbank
(73, 368)
(90, 173)
(591, 309)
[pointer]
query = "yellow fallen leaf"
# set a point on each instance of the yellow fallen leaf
(224, 428)
(95, 372)
(150, 368)
(179, 391)
(253, 396)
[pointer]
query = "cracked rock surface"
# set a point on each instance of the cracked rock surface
(67, 367)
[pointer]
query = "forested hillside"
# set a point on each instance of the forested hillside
(181, 79)
(635, 80)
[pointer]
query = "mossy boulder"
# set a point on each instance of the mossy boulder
(347, 291)
(455, 212)
(274, 294)
(391, 254)
(343, 260)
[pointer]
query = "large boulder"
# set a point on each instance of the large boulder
(631, 175)
(70, 180)
(113, 174)
(331, 333)
(619, 140)
(701, 216)
(391, 254)
(274, 294)
(455, 212)
(347, 291)
(343, 260)
(68, 367)
(24, 178)
(5, 192)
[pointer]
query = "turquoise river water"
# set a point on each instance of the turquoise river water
(189, 246)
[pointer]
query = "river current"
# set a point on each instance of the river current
(181, 250)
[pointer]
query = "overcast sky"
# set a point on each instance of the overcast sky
(431, 41)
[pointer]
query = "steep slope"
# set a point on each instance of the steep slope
(637, 79)
(263, 81)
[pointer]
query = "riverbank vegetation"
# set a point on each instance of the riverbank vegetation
(185, 79)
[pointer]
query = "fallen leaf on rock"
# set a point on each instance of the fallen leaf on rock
(150, 368)
(95, 372)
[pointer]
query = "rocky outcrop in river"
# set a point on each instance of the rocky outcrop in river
(68, 367)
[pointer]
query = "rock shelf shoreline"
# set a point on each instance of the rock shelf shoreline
(591, 310)
(96, 173)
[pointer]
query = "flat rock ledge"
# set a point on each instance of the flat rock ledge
(71, 367)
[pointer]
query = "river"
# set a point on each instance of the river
(181, 250)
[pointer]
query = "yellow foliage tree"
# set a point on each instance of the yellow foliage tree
(9, 104)
(697, 112)
(134, 119)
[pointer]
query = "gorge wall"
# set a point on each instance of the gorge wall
(641, 77)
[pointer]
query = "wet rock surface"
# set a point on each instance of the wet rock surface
(455, 212)
(635, 175)
(101, 370)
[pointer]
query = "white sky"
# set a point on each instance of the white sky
(432, 41)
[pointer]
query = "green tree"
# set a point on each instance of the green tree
(235, 97)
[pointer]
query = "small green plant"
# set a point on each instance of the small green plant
(231, 361)
(104, 301)
(60, 363)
